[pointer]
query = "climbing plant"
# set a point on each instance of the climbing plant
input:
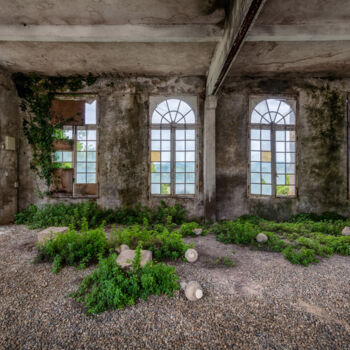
(36, 93)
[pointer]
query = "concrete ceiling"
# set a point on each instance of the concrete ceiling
(297, 36)
(176, 37)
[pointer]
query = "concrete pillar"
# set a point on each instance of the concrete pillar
(209, 166)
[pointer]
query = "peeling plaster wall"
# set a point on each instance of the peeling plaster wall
(9, 121)
(123, 159)
(316, 192)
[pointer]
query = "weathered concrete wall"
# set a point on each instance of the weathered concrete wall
(321, 150)
(123, 159)
(9, 121)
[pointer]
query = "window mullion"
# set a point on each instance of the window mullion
(273, 158)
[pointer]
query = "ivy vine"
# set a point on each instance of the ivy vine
(36, 93)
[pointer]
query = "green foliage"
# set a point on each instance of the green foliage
(110, 287)
(37, 93)
(300, 240)
(163, 244)
(72, 214)
(225, 261)
(187, 228)
(72, 248)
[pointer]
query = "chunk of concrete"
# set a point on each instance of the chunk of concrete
(50, 232)
(126, 257)
(191, 255)
(261, 238)
(124, 247)
(346, 231)
(198, 231)
(193, 290)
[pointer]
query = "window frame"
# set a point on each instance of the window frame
(254, 100)
(82, 97)
(192, 101)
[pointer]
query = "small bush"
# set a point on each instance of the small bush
(187, 228)
(235, 232)
(302, 256)
(110, 287)
(163, 244)
(72, 248)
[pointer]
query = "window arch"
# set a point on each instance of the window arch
(272, 149)
(173, 148)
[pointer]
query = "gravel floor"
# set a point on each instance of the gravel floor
(263, 302)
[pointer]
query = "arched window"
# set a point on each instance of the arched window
(272, 149)
(173, 148)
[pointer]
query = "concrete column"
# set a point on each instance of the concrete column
(209, 166)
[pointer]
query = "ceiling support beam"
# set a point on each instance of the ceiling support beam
(241, 17)
(305, 32)
(128, 33)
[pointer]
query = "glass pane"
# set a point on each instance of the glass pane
(255, 134)
(81, 146)
(91, 135)
(265, 134)
(180, 145)
(266, 190)
(180, 189)
(273, 104)
(58, 157)
(190, 134)
(184, 108)
(255, 118)
(290, 179)
(255, 167)
(81, 135)
(190, 167)
(155, 177)
(90, 113)
(180, 134)
(266, 167)
(91, 167)
(190, 156)
(165, 134)
(67, 132)
(91, 156)
(266, 178)
(280, 168)
(155, 134)
(180, 167)
(155, 167)
(255, 189)
(290, 168)
(290, 157)
(190, 118)
(280, 157)
(165, 145)
(190, 189)
(91, 178)
(281, 179)
(81, 178)
(81, 167)
(156, 119)
(290, 146)
(180, 177)
(155, 188)
(91, 145)
(165, 157)
(280, 146)
(266, 145)
(81, 156)
(266, 156)
(255, 178)
(155, 145)
(280, 135)
(255, 145)
(262, 108)
(290, 135)
(180, 156)
(190, 145)
(165, 167)
(165, 178)
(190, 178)
(255, 156)
(165, 189)
(155, 156)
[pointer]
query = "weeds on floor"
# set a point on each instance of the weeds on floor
(301, 240)
(224, 261)
(110, 287)
(61, 214)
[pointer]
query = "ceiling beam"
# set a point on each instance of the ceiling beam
(306, 32)
(112, 33)
(242, 15)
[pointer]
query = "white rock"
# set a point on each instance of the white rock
(183, 285)
(126, 257)
(193, 291)
(50, 232)
(191, 255)
(124, 247)
(198, 231)
(346, 231)
(261, 238)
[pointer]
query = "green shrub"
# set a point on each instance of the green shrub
(72, 248)
(163, 244)
(187, 228)
(110, 287)
(235, 232)
(302, 256)
(72, 214)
